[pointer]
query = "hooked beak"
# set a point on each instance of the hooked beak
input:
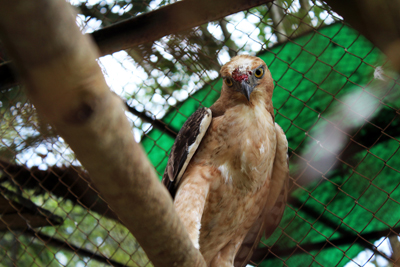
(247, 88)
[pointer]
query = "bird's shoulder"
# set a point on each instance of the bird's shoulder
(185, 146)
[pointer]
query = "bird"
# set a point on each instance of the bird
(228, 169)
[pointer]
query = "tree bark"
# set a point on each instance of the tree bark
(58, 66)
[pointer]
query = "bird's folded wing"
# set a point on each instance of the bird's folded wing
(275, 205)
(186, 144)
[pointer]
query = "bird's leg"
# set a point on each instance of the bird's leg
(189, 203)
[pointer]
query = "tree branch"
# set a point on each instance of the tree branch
(262, 254)
(59, 68)
(156, 123)
(233, 49)
(169, 19)
(277, 15)
(151, 26)
(71, 183)
(48, 240)
(18, 213)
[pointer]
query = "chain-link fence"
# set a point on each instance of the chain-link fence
(335, 97)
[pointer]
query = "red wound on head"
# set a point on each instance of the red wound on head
(237, 76)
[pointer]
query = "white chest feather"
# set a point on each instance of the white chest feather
(248, 145)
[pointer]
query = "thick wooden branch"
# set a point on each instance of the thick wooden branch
(151, 26)
(59, 68)
(169, 19)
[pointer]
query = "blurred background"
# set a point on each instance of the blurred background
(336, 97)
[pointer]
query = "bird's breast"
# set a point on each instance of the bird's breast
(241, 145)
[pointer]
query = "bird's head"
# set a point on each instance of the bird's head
(247, 78)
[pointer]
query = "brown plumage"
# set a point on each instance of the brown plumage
(229, 170)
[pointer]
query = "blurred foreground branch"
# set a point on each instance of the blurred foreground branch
(59, 68)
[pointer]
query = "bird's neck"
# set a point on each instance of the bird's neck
(225, 103)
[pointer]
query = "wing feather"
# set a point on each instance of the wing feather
(275, 205)
(185, 146)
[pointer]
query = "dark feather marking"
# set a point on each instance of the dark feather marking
(180, 150)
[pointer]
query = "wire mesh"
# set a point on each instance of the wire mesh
(335, 97)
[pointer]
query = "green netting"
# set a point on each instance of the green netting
(312, 73)
(354, 202)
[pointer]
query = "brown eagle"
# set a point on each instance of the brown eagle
(228, 169)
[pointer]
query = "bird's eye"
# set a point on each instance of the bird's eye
(228, 82)
(259, 73)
